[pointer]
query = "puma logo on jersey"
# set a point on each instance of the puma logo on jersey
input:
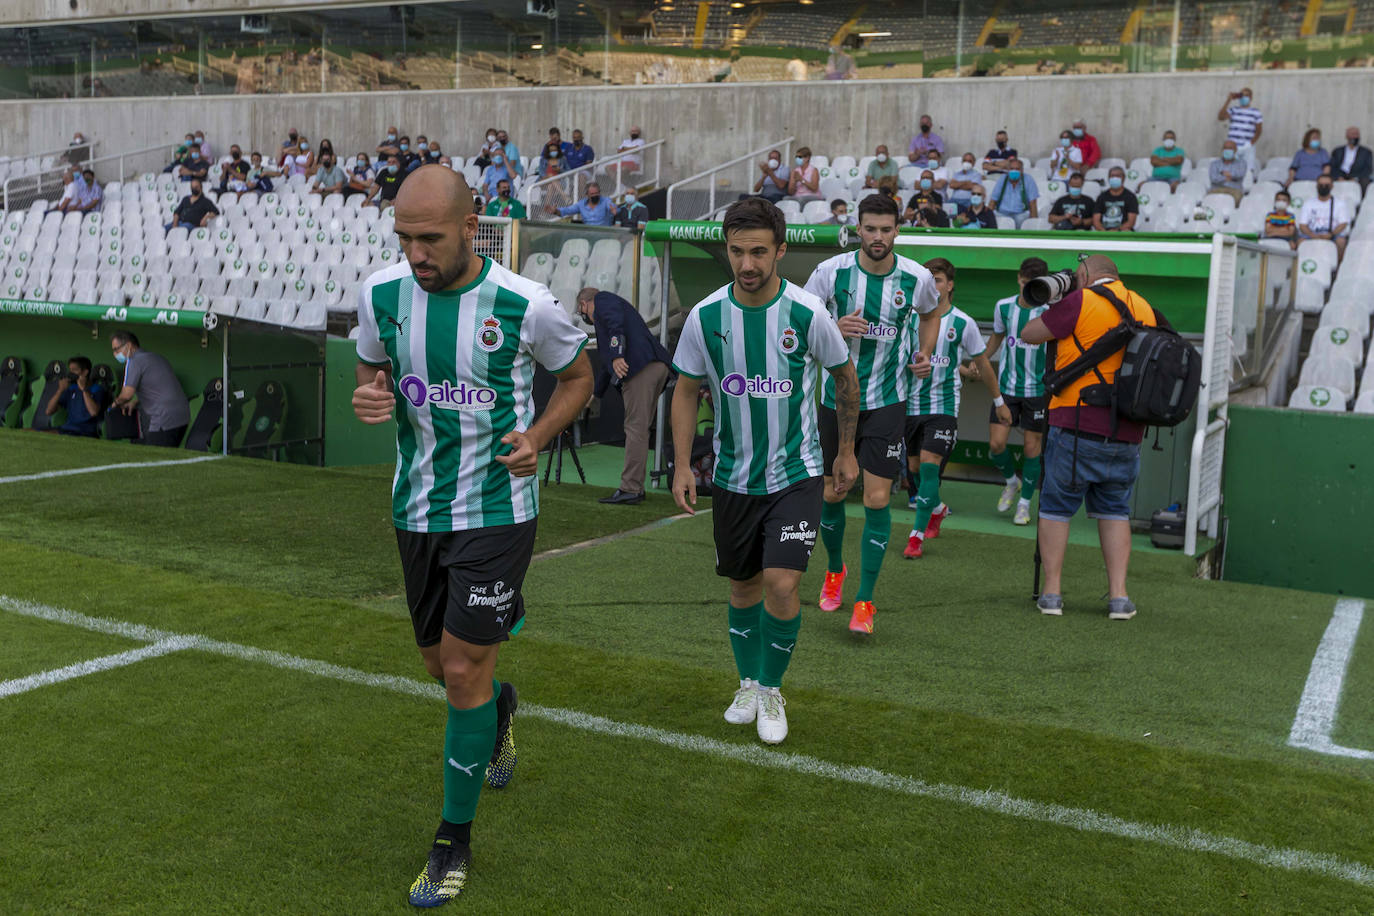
(787, 649)
(467, 770)
(400, 325)
(743, 634)
(725, 337)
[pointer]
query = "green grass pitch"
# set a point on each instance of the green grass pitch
(203, 782)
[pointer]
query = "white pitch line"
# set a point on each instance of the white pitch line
(1082, 819)
(109, 467)
(1321, 697)
(619, 535)
(81, 669)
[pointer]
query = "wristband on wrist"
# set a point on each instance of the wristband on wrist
(999, 401)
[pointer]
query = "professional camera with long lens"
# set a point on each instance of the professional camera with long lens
(1050, 288)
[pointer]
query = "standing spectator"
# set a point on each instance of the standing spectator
(976, 214)
(1227, 174)
(1166, 161)
(1117, 207)
(1073, 210)
(593, 210)
(839, 213)
(927, 205)
(512, 154)
(388, 147)
(483, 157)
(963, 182)
(1091, 453)
(1353, 162)
(362, 177)
(299, 161)
(924, 143)
(497, 172)
(632, 360)
(1087, 144)
(503, 204)
(194, 211)
(1066, 159)
(1281, 223)
(329, 178)
(1245, 123)
(1015, 194)
(82, 399)
(882, 166)
(804, 184)
(232, 174)
(772, 184)
(1326, 217)
(577, 153)
(163, 408)
(632, 214)
(998, 158)
(1311, 161)
(386, 184)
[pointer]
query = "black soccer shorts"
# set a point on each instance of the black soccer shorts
(466, 582)
(1031, 414)
(935, 433)
(877, 441)
(776, 531)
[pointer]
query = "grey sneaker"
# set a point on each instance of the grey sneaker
(1120, 609)
(1051, 604)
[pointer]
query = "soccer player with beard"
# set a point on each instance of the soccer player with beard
(875, 295)
(760, 343)
(458, 336)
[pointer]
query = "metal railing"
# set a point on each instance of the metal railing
(1264, 296)
(543, 197)
(16, 166)
(22, 190)
(704, 194)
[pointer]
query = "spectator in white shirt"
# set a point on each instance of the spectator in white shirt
(82, 194)
(804, 184)
(938, 172)
(1066, 159)
(772, 184)
(329, 178)
(1325, 217)
(299, 160)
(632, 163)
(1245, 123)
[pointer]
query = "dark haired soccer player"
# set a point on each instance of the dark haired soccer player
(873, 293)
(759, 343)
(458, 336)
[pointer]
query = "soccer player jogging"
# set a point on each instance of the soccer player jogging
(932, 407)
(1021, 378)
(874, 296)
(458, 336)
(759, 343)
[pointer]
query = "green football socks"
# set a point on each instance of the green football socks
(1004, 462)
(927, 496)
(468, 741)
(832, 534)
(746, 638)
(779, 639)
(877, 531)
(1030, 476)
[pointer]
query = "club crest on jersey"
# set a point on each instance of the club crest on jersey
(950, 335)
(788, 341)
(490, 336)
(899, 299)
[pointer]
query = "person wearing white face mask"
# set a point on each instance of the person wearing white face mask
(1167, 161)
(772, 184)
(632, 213)
(882, 166)
(489, 146)
(804, 184)
(1245, 123)
(964, 181)
(1227, 174)
(1281, 222)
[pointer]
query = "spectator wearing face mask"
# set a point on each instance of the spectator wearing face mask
(1074, 210)
(963, 182)
(555, 142)
(1311, 161)
(1166, 161)
(503, 204)
(326, 148)
(362, 177)
(1325, 217)
(512, 154)
(388, 147)
(489, 146)
(577, 153)
(386, 184)
(839, 213)
(940, 176)
(926, 207)
(300, 161)
(1227, 174)
(232, 174)
(976, 214)
(632, 214)
(497, 172)
(925, 142)
(292, 135)
(193, 165)
(1281, 222)
(593, 210)
(551, 159)
(998, 158)
(1117, 207)
(1244, 125)
(329, 178)
(1066, 159)
(82, 193)
(194, 211)
(633, 147)
(82, 398)
(804, 184)
(404, 156)
(1353, 162)
(1086, 143)
(1015, 195)
(204, 147)
(772, 184)
(882, 166)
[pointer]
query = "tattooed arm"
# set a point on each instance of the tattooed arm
(846, 470)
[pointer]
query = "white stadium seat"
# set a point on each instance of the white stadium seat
(1306, 397)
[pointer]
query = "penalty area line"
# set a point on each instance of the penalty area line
(91, 666)
(44, 475)
(1082, 819)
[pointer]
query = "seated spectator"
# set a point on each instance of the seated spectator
(406, 159)
(180, 156)
(577, 153)
(888, 188)
(804, 184)
(233, 172)
(512, 154)
(1117, 207)
(299, 160)
(1227, 174)
(633, 162)
(976, 214)
(361, 180)
(632, 214)
(82, 193)
(926, 207)
(1087, 144)
(1167, 161)
(1066, 159)
(83, 400)
(1353, 162)
(772, 185)
(593, 210)
(555, 194)
(204, 147)
(79, 150)
(386, 183)
(497, 172)
(1281, 223)
(839, 213)
(292, 135)
(1311, 161)
(1326, 217)
(326, 148)
(329, 178)
(940, 177)
(998, 158)
(551, 160)
(503, 204)
(194, 211)
(483, 157)
(260, 175)
(435, 154)
(1015, 194)
(555, 142)
(965, 181)
(1074, 210)
(388, 148)
(925, 143)
(194, 166)
(882, 166)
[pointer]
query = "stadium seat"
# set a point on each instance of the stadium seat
(1301, 191)
(1344, 313)
(1306, 397)
(1330, 343)
(1336, 374)
(815, 211)
(1365, 402)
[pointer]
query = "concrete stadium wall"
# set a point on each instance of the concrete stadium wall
(37, 12)
(708, 124)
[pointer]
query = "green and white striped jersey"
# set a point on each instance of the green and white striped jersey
(938, 393)
(1022, 373)
(762, 364)
(462, 365)
(889, 303)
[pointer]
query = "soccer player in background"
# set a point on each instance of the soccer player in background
(458, 336)
(759, 344)
(1021, 376)
(932, 407)
(874, 294)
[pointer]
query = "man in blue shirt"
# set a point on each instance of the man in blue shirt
(512, 154)
(593, 209)
(1015, 194)
(497, 172)
(82, 399)
(578, 153)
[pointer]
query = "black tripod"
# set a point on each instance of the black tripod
(564, 440)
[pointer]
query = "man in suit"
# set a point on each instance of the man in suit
(633, 360)
(1352, 162)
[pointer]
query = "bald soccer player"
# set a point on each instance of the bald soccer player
(458, 336)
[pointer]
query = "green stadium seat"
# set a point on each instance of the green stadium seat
(12, 391)
(42, 389)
